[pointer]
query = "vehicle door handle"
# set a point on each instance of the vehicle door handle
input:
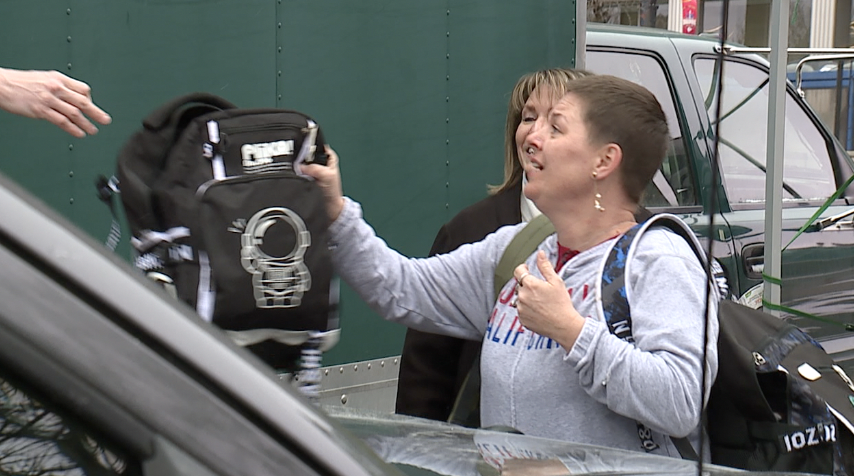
(753, 257)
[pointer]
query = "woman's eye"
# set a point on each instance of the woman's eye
(529, 119)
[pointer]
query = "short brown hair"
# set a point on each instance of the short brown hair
(556, 79)
(627, 114)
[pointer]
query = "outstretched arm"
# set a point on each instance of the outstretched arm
(52, 96)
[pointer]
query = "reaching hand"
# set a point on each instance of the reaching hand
(52, 96)
(328, 177)
(545, 306)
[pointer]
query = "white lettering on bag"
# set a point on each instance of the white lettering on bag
(812, 436)
(262, 154)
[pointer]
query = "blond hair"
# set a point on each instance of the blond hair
(556, 79)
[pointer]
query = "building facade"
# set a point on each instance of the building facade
(815, 23)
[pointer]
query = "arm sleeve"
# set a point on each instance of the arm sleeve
(448, 294)
(659, 379)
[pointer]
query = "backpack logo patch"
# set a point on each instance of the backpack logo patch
(279, 280)
(812, 436)
(257, 155)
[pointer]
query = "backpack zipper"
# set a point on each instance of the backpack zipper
(260, 127)
(203, 188)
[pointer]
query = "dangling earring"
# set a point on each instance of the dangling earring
(596, 195)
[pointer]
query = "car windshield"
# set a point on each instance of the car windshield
(414, 444)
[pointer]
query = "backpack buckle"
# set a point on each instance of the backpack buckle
(106, 187)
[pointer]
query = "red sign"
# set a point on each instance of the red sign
(689, 17)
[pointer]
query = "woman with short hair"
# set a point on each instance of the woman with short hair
(550, 366)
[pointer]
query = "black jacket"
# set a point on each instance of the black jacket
(433, 366)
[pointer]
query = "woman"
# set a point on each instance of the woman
(433, 366)
(549, 366)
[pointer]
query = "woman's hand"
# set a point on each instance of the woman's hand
(328, 177)
(544, 306)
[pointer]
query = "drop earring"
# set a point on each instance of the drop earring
(596, 195)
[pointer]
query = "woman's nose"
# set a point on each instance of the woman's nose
(539, 123)
(536, 127)
(534, 137)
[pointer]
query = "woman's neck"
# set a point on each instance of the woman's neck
(584, 232)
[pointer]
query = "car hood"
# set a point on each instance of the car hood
(425, 447)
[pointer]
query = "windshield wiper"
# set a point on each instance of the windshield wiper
(830, 221)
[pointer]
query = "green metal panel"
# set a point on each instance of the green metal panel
(135, 55)
(412, 94)
(35, 154)
(491, 44)
(373, 74)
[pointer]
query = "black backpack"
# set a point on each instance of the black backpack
(221, 216)
(779, 402)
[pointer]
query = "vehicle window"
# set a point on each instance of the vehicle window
(827, 85)
(674, 184)
(36, 440)
(807, 170)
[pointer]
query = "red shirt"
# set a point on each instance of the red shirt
(564, 254)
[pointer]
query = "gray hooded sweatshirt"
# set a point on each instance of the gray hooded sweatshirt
(598, 391)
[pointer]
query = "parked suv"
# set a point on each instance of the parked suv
(681, 70)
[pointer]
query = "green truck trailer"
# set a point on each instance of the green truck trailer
(411, 94)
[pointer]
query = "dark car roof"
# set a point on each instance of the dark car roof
(602, 34)
(633, 30)
(661, 42)
(653, 33)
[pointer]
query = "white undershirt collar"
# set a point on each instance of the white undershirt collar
(529, 210)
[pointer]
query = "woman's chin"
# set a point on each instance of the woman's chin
(531, 192)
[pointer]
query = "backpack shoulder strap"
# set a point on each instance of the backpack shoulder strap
(612, 298)
(520, 248)
(674, 224)
(611, 279)
(611, 294)
(612, 303)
